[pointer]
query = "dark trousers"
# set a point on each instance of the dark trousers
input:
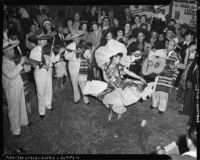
(188, 102)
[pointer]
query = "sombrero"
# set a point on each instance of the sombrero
(9, 44)
(175, 40)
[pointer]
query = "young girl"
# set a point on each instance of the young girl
(60, 72)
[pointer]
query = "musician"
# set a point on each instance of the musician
(43, 76)
(166, 81)
(20, 51)
(77, 66)
(13, 88)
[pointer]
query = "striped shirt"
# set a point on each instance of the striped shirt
(166, 82)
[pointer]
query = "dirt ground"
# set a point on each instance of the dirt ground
(84, 129)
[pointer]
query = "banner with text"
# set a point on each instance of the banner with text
(185, 13)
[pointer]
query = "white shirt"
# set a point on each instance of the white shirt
(190, 153)
(10, 74)
(36, 54)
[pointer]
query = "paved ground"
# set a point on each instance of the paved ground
(83, 129)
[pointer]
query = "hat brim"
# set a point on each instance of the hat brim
(11, 45)
(174, 42)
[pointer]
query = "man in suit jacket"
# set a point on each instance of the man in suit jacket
(60, 36)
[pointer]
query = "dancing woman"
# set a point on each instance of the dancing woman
(117, 99)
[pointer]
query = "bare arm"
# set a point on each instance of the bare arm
(133, 75)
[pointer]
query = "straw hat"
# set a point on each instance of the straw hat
(9, 44)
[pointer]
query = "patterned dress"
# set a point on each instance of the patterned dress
(120, 92)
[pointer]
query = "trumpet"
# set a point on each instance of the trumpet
(33, 63)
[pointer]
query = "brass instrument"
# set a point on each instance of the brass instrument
(33, 63)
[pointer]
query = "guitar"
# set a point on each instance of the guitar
(156, 65)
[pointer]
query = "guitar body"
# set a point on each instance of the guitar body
(154, 66)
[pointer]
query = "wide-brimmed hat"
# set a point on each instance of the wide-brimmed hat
(9, 44)
(175, 40)
(46, 22)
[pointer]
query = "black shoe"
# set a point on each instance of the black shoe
(77, 102)
(51, 109)
(160, 112)
(17, 136)
(41, 116)
(29, 124)
(151, 107)
(87, 103)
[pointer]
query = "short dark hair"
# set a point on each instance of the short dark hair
(137, 15)
(119, 54)
(192, 134)
(144, 15)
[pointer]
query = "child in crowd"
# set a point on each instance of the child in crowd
(60, 72)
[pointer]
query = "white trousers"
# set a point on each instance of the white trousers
(77, 80)
(16, 108)
(43, 81)
(160, 99)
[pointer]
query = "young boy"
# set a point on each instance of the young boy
(166, 81)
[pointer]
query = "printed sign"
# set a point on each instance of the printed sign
(185, 13)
